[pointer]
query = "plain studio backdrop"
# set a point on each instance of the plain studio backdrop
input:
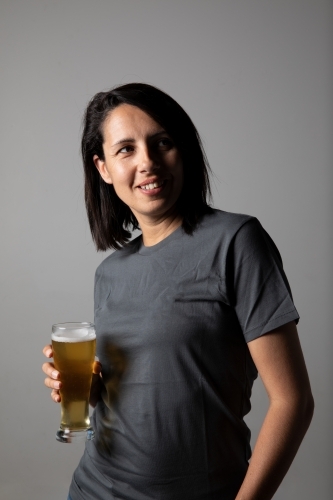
(256, 78)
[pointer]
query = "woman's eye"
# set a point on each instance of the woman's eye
(126, 149)
(165, 143)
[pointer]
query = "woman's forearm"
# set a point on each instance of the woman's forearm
(280, 363)
(280, 436)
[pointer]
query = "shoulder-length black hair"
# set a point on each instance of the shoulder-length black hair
(109, 217)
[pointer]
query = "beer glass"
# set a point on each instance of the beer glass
(74, 347)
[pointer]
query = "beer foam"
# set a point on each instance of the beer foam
(73, 332)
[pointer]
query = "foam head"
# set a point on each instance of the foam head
(73, 332)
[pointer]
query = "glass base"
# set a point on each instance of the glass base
(69, 436)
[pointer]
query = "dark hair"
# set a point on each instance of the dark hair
(109, 217)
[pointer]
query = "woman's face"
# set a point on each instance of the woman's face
(142, 163)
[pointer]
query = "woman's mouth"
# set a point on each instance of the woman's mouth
(152, 185)
(153, 188)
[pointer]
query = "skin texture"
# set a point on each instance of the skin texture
(137, 150)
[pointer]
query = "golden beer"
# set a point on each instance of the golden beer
(74, 346)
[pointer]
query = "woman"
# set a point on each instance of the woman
(185, 315)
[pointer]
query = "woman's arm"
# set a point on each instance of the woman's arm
(280, 363)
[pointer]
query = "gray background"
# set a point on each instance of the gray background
(256, 78)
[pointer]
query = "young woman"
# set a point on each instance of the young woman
(186, 315)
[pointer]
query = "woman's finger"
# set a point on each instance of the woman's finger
(55, 396)
(97, 367)
(52, 384)
(47, 351)
(50, 371)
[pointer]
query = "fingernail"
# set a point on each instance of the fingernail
(48, 352)
(55, 374)
(57, 385)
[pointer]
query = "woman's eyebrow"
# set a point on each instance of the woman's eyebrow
(130, 139)
(157, 133)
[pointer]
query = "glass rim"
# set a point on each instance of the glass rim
(72, 325)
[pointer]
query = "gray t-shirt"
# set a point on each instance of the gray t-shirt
(172, 322)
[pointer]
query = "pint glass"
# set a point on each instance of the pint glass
(73, 347)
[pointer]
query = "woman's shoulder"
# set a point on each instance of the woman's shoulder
(228, 223)
(239, 230)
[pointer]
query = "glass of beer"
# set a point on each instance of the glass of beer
(74, 347)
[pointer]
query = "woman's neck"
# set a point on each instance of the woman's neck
(154, 231)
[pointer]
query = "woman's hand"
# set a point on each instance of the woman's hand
(53, 379)
(53, 376)
(96, 384)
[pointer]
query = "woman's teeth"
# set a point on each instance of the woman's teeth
(152, 185)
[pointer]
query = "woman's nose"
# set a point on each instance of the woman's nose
(147, 162)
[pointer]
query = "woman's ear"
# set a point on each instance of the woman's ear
(101, 167)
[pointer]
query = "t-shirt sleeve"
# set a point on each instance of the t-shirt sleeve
(259, 289)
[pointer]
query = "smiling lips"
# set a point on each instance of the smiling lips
(151, 185)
